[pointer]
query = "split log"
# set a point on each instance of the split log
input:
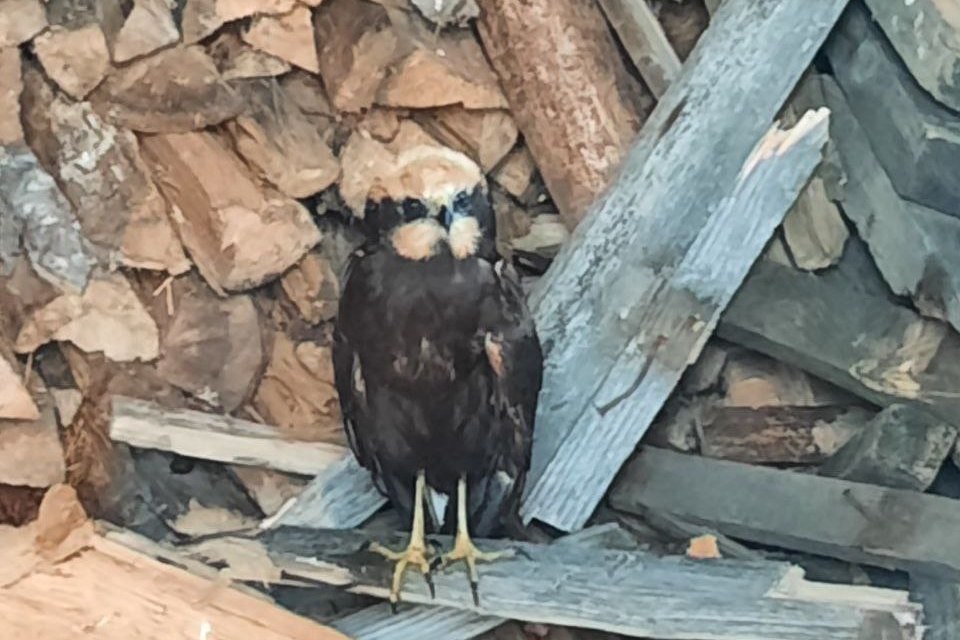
(289, 37)
(175, 90)
(564, 584)
(96, 584)
(20, 20)
(15, 400)
(107, 317)
(559, 59)
(516, 172)
(645, 42)
(861, 523)
(100, 170)
(600, 395)
(297, 392)
(211, 347)
(215, 437)
(793, 316)
(914, 137)
(902, 447)
(77, 60)
(237, 60)
(750, 379)
(910, 244)
(11, 86)
(485, 136)
(32, 452)
(313, 287)
(239, 235)
(35, 214)
(779, 435)
(149, 27)
(814, 230)
(925, 35)
(277, 138)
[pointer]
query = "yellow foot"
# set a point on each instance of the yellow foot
(415, 555)
(463, 549)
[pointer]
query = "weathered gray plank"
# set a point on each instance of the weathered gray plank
(926, 34)
(941, 606)
(862, 523)
(618, 591)
(830, 326)
(630, 299)
(645, 42)
(915, 138)
(913, 246)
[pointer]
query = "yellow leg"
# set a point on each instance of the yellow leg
(463, 548)
(416, 552)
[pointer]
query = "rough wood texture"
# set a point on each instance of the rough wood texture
(111, 592)
(282, 142)
(589, 305)
(915, 138)
(860, 523)
(20, 20)
(485, 135)
(559, 58)
(149, 27)
(910, 243)
(941, 605)
(99, 167)
(11, 86)
(76, 59)
(239, 234)
(176, 90)
(902, 447)
(617, 591)
(340, 497)
(15, 400)
(217, 437)
(34, 214)
(926, 35)
(289, 37)
(793, 316)
(644, 39)
(32, 453)
(779, 435)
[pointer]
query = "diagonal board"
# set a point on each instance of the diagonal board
(635, 293)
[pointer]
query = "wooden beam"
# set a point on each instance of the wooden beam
(861, 523)
(941, 605)
(644, 39)
(216, 437)
(819, 323)
(558, 57)
(613, 590)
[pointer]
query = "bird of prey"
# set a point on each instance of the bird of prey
(436, 357)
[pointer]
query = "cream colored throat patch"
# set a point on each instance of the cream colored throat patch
(464, 237)
(418, 240)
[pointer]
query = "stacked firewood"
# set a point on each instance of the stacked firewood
(181, 183)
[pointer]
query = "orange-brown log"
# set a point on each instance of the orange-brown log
(569, 91)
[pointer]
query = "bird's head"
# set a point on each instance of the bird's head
(433, 199)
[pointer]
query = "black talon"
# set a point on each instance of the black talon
(393, 607)
(476, 595)
(433, 591)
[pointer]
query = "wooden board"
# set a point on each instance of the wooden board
(861, 523)
(645, 42)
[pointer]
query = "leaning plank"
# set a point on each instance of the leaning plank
(861, 523)
(926, 35)
(216, 437)
(911, 244)
(660, 201)
(916, 138)
(379, 622)
(558, 57)
(654, 319)
(861, 342)
(618, 591)
(644, 39)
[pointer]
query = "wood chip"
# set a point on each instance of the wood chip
(20, 20)
(703, 548)
(15, 400)
(175, 90)
(149, 27)
(239, 234)
(297, 391)
(288, 37)
(516, 172)
(77, 60)
(107, 317)
(282, 142)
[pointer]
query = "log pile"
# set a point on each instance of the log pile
(738, 227)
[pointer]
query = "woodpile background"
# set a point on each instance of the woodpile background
(179, 182)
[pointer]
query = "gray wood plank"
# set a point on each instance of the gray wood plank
(617, 591)
(630, 299)
(926, 35)
(916, 139)
(941, 605)
(889, 528)
(645, 42)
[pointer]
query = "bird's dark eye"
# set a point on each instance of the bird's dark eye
(413, 210)
(461, 202)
